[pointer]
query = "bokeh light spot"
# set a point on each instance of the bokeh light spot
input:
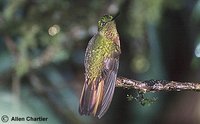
(53, 30)
(197, 50)
(140, 64)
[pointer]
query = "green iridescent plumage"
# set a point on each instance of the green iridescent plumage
(99, 51)
(101, 66)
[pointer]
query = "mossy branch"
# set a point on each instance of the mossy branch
(157, 85)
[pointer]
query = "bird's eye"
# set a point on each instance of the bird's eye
(103, 23)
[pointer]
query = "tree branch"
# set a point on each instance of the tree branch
(156, 85)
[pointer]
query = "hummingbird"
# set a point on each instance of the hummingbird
(101, 66)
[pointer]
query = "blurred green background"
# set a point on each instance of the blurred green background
(42, 45)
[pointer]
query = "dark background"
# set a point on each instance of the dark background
(42, 45)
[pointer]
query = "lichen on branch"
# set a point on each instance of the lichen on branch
(156, 85)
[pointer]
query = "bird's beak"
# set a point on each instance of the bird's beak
(115, 16)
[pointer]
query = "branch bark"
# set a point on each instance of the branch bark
(157, 85)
